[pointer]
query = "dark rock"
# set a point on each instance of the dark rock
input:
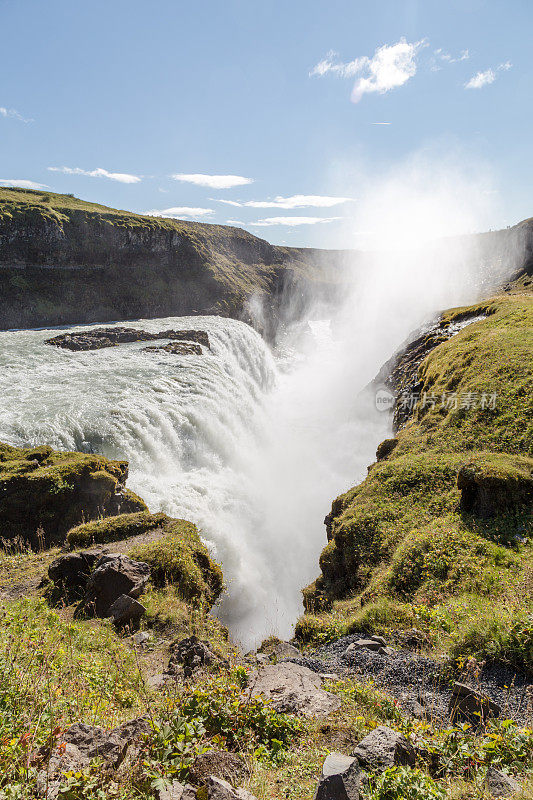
(384, 748)
(499, 784)
(93, 742)
(70, 574)
(385, 448)
(489, 489)
(114, 575)
(293, 689)
(99, 338)
(340, 780)
(177, 348)
(67, 758)
(126, 611)
(385, 651)
(468, 705)
(191, 654)
(362, 644)
(228, 766)
(134, 730)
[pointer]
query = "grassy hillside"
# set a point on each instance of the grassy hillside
(57, 252)
(439, 534)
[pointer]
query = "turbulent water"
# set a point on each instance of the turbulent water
(238, 440)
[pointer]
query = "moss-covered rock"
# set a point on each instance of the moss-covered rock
(178, 556)
(495, 483)
(44, 493)
(113, 529)
(447, 512)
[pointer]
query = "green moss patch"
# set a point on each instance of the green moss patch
(44, 493)
(113, 529)
(178, 557)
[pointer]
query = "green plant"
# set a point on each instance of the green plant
(239, 719)
(404, 783)
(171, 747)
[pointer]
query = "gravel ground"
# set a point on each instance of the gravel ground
(408, 675)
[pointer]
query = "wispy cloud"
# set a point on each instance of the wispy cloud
(441, 58)
(12, 113)
(179, 212)
(295, 201)
(487, 77)
(121, 177)
(22, 184)
(212, 181)
(292, 221)
(381, 123)
(390, 67)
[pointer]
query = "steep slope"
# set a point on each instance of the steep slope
(66, 261)
(443, 522)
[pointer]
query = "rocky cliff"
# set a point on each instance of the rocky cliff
(66, 261)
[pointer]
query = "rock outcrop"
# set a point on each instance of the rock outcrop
(99, 338)
(44, 493)
(64, 261)
(293, 689)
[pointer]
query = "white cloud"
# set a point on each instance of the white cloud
(179, 212)
(237, 223)
(481, 79)
(295, 201)
(213, 181)
(292, 221)
(381, 123)
(441, 57)
(487, 77)
(121, 177)
(20, 184)
(13, 114)
(390, 66)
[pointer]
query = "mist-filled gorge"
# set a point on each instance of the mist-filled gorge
(266, 400)
(251, 440)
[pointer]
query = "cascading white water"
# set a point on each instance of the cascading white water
(242, 445)
(250, 445)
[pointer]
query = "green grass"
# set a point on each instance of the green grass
(447, 514)
(178, 557)
(45, 492)
(113, 529)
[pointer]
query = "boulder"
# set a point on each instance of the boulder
(98, 338)
(93, 742)
(468, 705)
(340, 779)
(384, 748)
(114, 575)
(293, 689)
(67, 758)
(70, 573)
(498, 784)
(380, 639)
(229, 766)
(363, 644)
(219, 789)
(177, 791)
(126, 611)
(190, 654)
(177, 349)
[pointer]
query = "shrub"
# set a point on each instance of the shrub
(242, 721)
(404, 783)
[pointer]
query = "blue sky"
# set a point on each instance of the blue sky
(283, 97)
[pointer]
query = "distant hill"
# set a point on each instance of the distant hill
(63, 261)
